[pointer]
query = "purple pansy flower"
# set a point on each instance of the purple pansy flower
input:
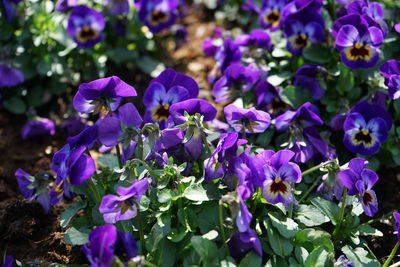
(390, 70)
(365, 131)
(118, 7)
(73, 125)
(158, 14)
(256, 39)
(343, 261)
(85, 138)
(270, 14)
(228, 54)
(279, 173)
(397, 27)
(105, 242)
(307, 77)
(241, 243)
(117, 127)
(37, 128)
(248, 120)
(36, 188)
(102, 95)
(8, 7)
(269, 98)
(72, 167)
(85, 26)
(65, 5)
(168, 139)
(244, 217)
(124, 206)
(301, 7)
(396, 217)
(359, 181)
(10, 77)
(237, 77)
(8, 261)
(358, 44)
(307, 115)
(168, 88)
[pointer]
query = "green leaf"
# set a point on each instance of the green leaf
(301, 254)
(368, 230)
(206, 249)
(328, 208)
(109, 160)
(296, 96)
(311, 239)
(310, 215)
(345, 81)
(317, 53)
(177, 235)
(70, 212)
(280, 245)
(74, 236)
(319, 257)
(359, 257)
(251, 259)
(196, 192)
(15, 105)
(286, 227)
(208, 217)
(188, 218)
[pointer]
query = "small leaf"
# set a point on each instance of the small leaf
(74, 236)
(319, 257)
(206, 249)
(359, 257)
(109, 160)
(311, 239)
(368, 230)
(70, 212)
(328, 208)
(310, 215)
(15, 105)
(317, 53)
(287, 227)
(196, 192)
(280, 245)
(251, 259)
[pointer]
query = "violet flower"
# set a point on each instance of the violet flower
(102, 95)
(279, 173)
(85, 26)
(10, 77)
(343, 261)
(8, 261)
(236, 76)
(247, 120)
(358, 44)
(124, 206)
(365, 131)
(73, 125)
(244, 217)
(307, 115)
(308, 77)
(228, 54)
(397, 27)
(256, 39)
(8, 7)
(370, 11)
(396, 217)
(269, 98)
(390, 70)
(158, 14)
(359, 181)
(118, 7)
(122, 126)
(270, 14)
(72, 167)
(37, 128)
(105, 242)
(241, 243)
(168, 88)
(65, 5)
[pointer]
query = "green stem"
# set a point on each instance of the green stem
(119, 156)
(244, 133)
(341, 214)
(149, 264)
(205, 141)
(312, 169)
(221, 225)
(141, 234)
(394, 250)
(93, 189)
(331, 4)
(290, 210)
(310, 189)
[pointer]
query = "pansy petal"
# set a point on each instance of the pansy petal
(348, 178)
(290, 172)
(347, 36)
(281, 157)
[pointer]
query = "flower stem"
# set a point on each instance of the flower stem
(290, 209)
(141, 234)
(312, 169)
(221, 225)
(394, 250)
(341, 214)
(119, 156)
(93, 189)
(310, 189)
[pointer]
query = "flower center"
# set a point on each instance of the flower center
(363, 137)
(273, 18)
(278, 186)
(158, 17)
(127, 204)
(86, 34)
(367, 198)
(301, 40)
(359, 51)
(161, 113)
(278, 105)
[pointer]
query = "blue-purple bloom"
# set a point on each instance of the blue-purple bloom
(38, 127)
(241, 243)
(370, 11)
(168, 88)
(124, 206)
(343, 261)
(10, 77)
(308, 77)
(256, 39)
(307, 115)
(270, 14)
(357, 42)
(359, 181)
(279, 173)
(65, 5)
(228, 54)
(8, 7)
(85, 26)
(118, 7)
(396, 217)
(237, 78)
(269, 98)
(73, 125)
(390, 70)
(248, 120)
(102, 95)
(397, 27)
(105, 242)
(366, 128)
(8, 261)
(158, 14)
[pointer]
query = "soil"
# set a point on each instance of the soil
(32, 236)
